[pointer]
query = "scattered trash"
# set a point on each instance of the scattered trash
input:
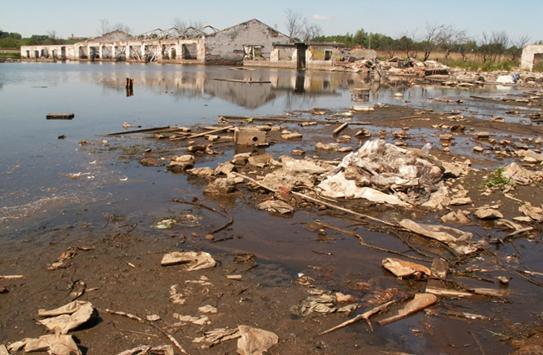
(419, 302)
(401, 268)
(521, 175)
(183, 319)
(207, 309)
(11, 277)
(56, 344)
(175, 296)
(149, 350)
(194, 260)
(455, 239)
(77, 289)
(276, 206)
(234, 277)
(152, 317)
(62, 261)
(534, 212)
(63, 319)
(255, 341)
(181, 163)
(167, 223)
(364, 316)
(460, 217)
(217, 336)
(487, 213)
(378, 167)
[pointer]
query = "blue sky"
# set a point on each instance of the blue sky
(393, 17)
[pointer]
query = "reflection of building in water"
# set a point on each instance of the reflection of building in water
(199, 82)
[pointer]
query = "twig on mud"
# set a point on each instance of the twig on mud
(364, 243)
(513, 234)
(417, 250)
(364, 316)
(222, 239)
(481, 350)
(141, 320)
(472, 276)
(522, 274)
(201, 205)
(224, 226)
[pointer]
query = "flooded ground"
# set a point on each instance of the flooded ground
(65, 184)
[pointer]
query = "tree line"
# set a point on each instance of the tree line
(436, 38)
(14, 40)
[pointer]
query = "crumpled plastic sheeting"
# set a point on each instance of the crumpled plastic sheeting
(196, 260)
(521, 175)
(67, 317)
(383, 167)
(54, 344)
(457, 240)
(149, 350)
(255, 341)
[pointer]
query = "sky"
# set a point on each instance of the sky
(392, 17)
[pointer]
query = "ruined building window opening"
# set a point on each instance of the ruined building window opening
(189, 51)
(174, 54)
(253, 52)
(327, 54)
(538, 62)
(28, 54)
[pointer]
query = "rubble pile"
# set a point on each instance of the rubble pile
(384, 173)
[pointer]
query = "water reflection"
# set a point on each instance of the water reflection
(201, 83)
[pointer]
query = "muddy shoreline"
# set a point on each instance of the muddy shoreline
(281, 259)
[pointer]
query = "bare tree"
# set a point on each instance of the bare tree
(106, 27)
(311, 31)
(406, 44)
(518, 46)
(430, 39)
(450, 39)
(493, 45)
(182, 25)
(295, 23)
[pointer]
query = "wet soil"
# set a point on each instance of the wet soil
(119, 251)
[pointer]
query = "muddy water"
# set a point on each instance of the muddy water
(37, 197)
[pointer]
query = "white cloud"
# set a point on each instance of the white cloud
(317, 17)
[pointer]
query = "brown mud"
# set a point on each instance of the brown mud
(118, 250)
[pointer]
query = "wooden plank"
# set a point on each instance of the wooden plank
(143, 130)
(340, 128)
(60, 116)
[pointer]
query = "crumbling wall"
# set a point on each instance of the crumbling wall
(226, 46)
(528, 54)
(316, 57)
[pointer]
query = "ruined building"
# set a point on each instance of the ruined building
(191, 45)
(251, 43)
